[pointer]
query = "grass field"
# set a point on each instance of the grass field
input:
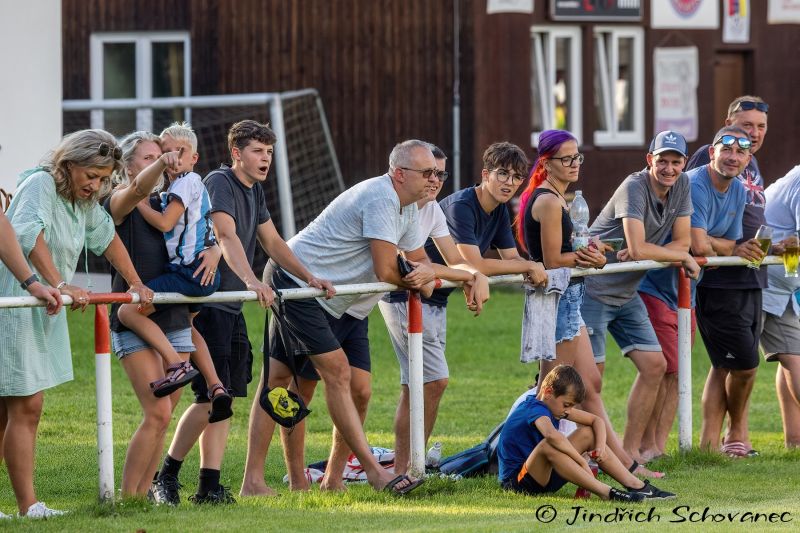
(486, 377)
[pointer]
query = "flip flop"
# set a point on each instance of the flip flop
(392, 485)
(641, 470)
(735, 449)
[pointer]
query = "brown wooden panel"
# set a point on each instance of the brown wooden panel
(383, 68)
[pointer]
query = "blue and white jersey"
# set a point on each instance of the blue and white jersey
(193, 232)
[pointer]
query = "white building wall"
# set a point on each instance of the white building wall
(30, 84)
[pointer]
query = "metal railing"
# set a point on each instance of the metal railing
(103, 349)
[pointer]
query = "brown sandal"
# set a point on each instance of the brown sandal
(220, 404)
(178, 375)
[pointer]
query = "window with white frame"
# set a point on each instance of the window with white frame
(556, 80)
(139, 67)
(619, 85)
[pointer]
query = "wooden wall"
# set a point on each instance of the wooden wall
(382, 67)
(384, 71)
(501, 107)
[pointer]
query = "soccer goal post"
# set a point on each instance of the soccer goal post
(305, 162)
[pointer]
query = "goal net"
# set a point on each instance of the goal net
(298, 187)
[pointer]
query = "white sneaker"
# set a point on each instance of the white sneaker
(40, 510)
(4, 516)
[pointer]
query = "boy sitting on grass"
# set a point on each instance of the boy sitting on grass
(536, 459)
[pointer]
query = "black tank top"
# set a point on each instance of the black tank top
(533, 229)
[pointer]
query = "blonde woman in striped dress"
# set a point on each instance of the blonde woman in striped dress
(56, 215)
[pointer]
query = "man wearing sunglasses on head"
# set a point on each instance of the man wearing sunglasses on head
(733, 294)
(718, 199)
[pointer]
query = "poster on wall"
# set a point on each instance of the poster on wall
(509, 6)
(684, 14)
(735, 21)
(783, 12)
(675, 71)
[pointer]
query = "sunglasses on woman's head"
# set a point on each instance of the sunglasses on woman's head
(104, 149)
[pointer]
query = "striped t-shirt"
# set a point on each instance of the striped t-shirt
(193, 233)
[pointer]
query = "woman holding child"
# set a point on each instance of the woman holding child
(56, 215)
(144, 168)
(544, 231)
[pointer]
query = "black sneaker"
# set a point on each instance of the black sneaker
(622, 496)
(164, 490)
(219, 495)
(651, 492)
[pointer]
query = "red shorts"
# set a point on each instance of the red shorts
(665, 324)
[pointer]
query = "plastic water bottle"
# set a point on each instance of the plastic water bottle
(434, 455)
(579, 214)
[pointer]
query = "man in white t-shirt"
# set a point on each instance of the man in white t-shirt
(356, 239)
(435, 374)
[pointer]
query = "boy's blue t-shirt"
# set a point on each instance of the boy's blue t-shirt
(470, 224)
(720, 214)
(519, 436)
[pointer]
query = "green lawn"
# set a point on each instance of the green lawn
(486, 377)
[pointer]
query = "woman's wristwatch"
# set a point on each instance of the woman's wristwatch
(28, 282)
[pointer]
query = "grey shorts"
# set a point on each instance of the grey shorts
(629, 324)
(781, 334)
(434, 337)
(127, 342)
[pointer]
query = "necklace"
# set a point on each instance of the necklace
(553, 185)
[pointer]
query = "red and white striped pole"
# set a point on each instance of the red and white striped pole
(105, 435)
(416, 402)
(685, 360)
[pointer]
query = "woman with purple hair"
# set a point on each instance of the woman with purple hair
(544, 231)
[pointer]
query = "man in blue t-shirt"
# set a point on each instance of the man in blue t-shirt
(729, 299)
(535, 458)
(478, 220)
(716, 223)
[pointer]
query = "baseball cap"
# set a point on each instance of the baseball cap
(668, 141)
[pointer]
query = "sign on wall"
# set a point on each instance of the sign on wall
(684, 14)
(675, 71)
(601, 10)
(735, 21)
(784, 12)
(509, 6)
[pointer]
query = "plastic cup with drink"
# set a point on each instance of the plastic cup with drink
(764, 238)
(791, 253)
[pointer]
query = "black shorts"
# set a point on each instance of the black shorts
(524, 483)
(350, 332)
(729, 321)
(226, 336)
(314, 331)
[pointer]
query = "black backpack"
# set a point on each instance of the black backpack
(475, 461)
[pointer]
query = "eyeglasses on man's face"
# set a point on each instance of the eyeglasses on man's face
(748, 105)
(504, 176)
(442, 175)
(426, 172)
(729, 140)
(570, 160)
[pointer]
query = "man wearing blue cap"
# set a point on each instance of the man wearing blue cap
(718, 199)
(644, 210)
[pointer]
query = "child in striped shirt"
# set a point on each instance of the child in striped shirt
(184, 220)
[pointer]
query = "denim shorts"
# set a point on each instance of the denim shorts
(127, 342)
(629, 324)
(569, 319)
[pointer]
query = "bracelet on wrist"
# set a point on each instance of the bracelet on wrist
(61, 284)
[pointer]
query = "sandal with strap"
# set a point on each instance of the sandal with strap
(178, 375)
(220, 404)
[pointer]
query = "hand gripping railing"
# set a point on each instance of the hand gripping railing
(415, 325)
